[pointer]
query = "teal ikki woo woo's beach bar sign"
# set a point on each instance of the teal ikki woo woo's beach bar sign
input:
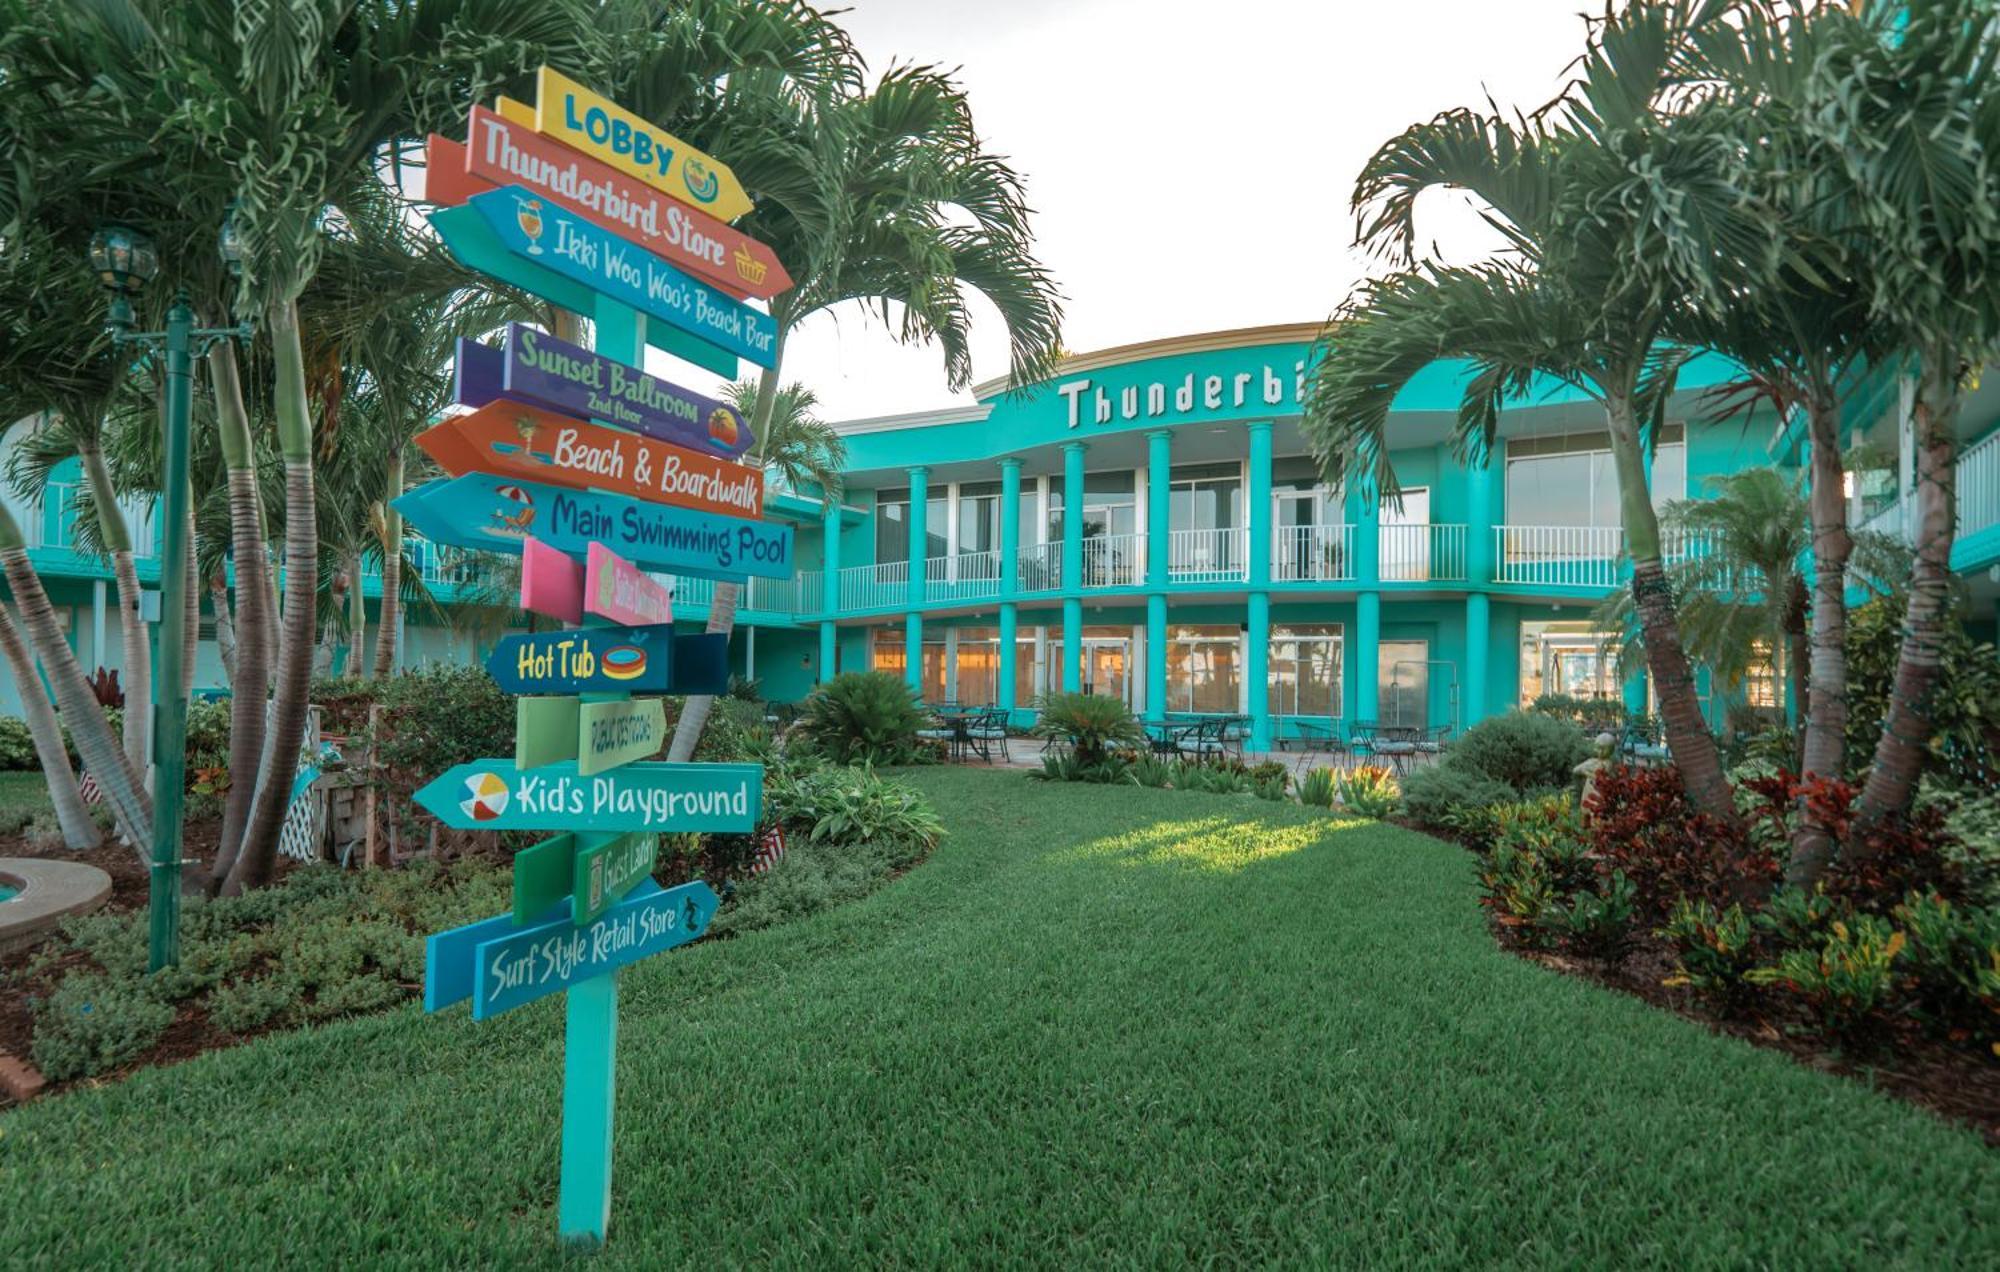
(538, 230)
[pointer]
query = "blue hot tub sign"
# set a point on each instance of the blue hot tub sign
(534, 962)
(483, 512)
(650, 795)
(630, 275)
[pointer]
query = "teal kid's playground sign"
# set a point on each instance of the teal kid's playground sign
(585, 903)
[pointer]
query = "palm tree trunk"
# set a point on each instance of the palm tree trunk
(357, 617)
(722, 610)
(1688, 738)
(250, 678)
(1906, 724)
(225, 627)
(117, 539)
(294, 671)
(79, 832)
(390, 617)
(100, 750)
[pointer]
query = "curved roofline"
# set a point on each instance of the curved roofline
(1167, 347)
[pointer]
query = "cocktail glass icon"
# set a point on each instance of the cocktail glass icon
(528, 214)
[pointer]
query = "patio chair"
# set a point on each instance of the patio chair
(1204, 742)
(1361, 741)
(984, 729)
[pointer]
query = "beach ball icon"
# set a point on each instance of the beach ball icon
(485, 797)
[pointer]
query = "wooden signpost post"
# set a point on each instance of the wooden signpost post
(589, 507)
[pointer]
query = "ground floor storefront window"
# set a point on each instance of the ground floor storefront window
(1572, 660)
(1204, 669)
(1305, 670)
(886, 653)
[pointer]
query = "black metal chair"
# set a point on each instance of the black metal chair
(984, 728)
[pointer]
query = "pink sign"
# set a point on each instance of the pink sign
(616, 589)
(551, 581)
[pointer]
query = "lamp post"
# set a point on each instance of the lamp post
(125, 261)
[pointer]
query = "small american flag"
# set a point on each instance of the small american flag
(87, 786)
(770, 847)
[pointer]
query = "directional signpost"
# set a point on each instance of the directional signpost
(594, 472)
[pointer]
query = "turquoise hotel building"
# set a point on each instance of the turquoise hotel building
(1148, 524)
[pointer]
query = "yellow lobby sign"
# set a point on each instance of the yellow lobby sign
(577, 117)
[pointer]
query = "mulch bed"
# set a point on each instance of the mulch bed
(1955, 1082)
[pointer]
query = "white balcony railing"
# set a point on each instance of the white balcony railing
(882, 586)
(963, 576)
(1422, 554)
(1038, 567)
(1560, 556)
(1114, 560)
(1979, 487)
(1220, 555)
(1312, 554)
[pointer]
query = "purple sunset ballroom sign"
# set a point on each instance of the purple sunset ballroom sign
(533, 367)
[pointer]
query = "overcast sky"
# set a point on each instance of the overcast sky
(1189, 163)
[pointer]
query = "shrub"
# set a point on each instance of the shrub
(1592, 715)
(1317, 788)
(1435, 793)
(1714, 951)
(1091, 723)
(1515, 885)
(1369, 790)
(850, 805)
(1215, 779)
(1953, 963)
(1271, 788)
(809, 878)
(1847, 980)
(17, 745)
(1597, 921)
(439, 716)
(93, 1022)
(1528, 752)
(1067, 767)
(1150, 770)
(1965, 739)
(1641, 822)
(867, 717)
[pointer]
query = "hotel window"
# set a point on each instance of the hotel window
(1110, 504)
(886, 653)
(1306, 515)
(1027, 671)
(892, 526)
(1205, 497)
(1305, 670)
(979, 666)
(979, 516)
(1568, 659)
(1204, 669)
(1569, 480)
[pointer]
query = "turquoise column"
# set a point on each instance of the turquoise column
(829, 633)
(1257, 670)
(1072, 566)
(1010, 578)
(1257, 663)
(1367, 656)
(913, 619)
(1366, 517)
(1635, 692)
(1156, 657)
(1478, 638)
(1483, 497)
(920, 497)
(1159, 504)
(1159, 526)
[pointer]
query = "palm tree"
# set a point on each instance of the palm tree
(1908, 96)
(890, 200)
(1803, 333)
(1609, 205)
(79, 832)
(797, 446)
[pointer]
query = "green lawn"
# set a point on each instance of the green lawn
(1101, 1025)
(23, 794)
